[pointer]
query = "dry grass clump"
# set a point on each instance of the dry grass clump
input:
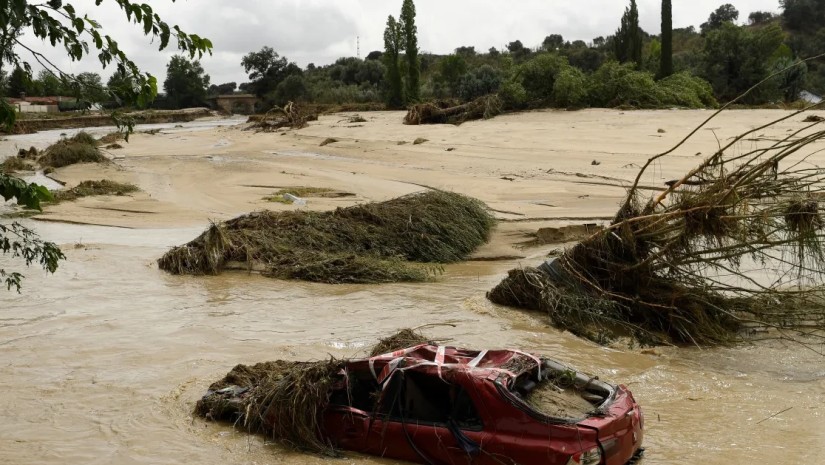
(283, 400)
(94, 188)
(401, 340)
(700, 261)
(82, 148)
(328, 140)
(446, 112)
(420, 140)
(111, 138)
(813, 119)
(370, 243)
(14, 164)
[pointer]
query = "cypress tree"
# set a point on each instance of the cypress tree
(666, 67)
(628, 42)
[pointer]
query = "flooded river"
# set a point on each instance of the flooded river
(102, 362)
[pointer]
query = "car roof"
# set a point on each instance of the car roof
(447, 361)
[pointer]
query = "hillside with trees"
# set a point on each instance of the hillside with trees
(685, 67)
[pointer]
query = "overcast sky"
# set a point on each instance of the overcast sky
(320, 31)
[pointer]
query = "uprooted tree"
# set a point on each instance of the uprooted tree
(60, 24)
(734, 247)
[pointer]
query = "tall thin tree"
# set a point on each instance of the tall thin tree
(666, 65)
(393, 43)
(410, 32)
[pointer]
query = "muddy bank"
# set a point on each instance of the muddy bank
(29, 126)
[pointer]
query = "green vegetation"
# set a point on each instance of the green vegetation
(403, 239)
(666, 65)
(410, 32)
(393, 43)
(186, 83)
(94, 188)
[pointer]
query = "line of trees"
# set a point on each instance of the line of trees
(727, 56)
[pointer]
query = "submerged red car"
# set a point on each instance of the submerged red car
(442, 405)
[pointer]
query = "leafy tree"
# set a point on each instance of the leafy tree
(393, 43)
(518, 50)
(20, 241)
(466, 51)
(628, 41)
(760, 17)
(56, 22)
(226, 88)
(266, 69)
(20, 82)
(87, 87)
(493, 52)
(120, 86)
(726, 13)
(736, 58)
(410, 32)
(553, 42)
(291, 89)
(186, 83)
(481, 81)
(50, 83)
(666, 66)
(803, 15)
(375, 55)
(450, 71)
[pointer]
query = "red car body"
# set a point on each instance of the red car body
(441, 405)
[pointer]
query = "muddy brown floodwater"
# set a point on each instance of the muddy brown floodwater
(102, 362)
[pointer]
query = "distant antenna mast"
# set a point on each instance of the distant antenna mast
(358, 45)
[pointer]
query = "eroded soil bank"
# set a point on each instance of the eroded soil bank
(103, 362)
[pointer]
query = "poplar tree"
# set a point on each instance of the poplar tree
(410, 33)
(393, 43)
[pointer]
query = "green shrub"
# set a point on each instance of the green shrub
(616, 84)
(538, 77)
(570, 89)
(479, 82)
(686, 90)
(512, 95)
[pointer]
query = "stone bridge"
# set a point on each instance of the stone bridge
(243, 104)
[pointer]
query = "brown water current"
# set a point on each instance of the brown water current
(102, 362)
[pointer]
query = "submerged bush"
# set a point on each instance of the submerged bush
(93, 188)
(82, 148)
(370, 243)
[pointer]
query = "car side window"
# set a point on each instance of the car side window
(417, 398)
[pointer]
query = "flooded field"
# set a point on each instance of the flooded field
(102, 362)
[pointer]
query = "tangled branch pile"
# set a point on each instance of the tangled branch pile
(283, 399)
(289, 116)
(736, 244)
(442, 112)
(370, 243)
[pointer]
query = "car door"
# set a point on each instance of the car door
(425, 419)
